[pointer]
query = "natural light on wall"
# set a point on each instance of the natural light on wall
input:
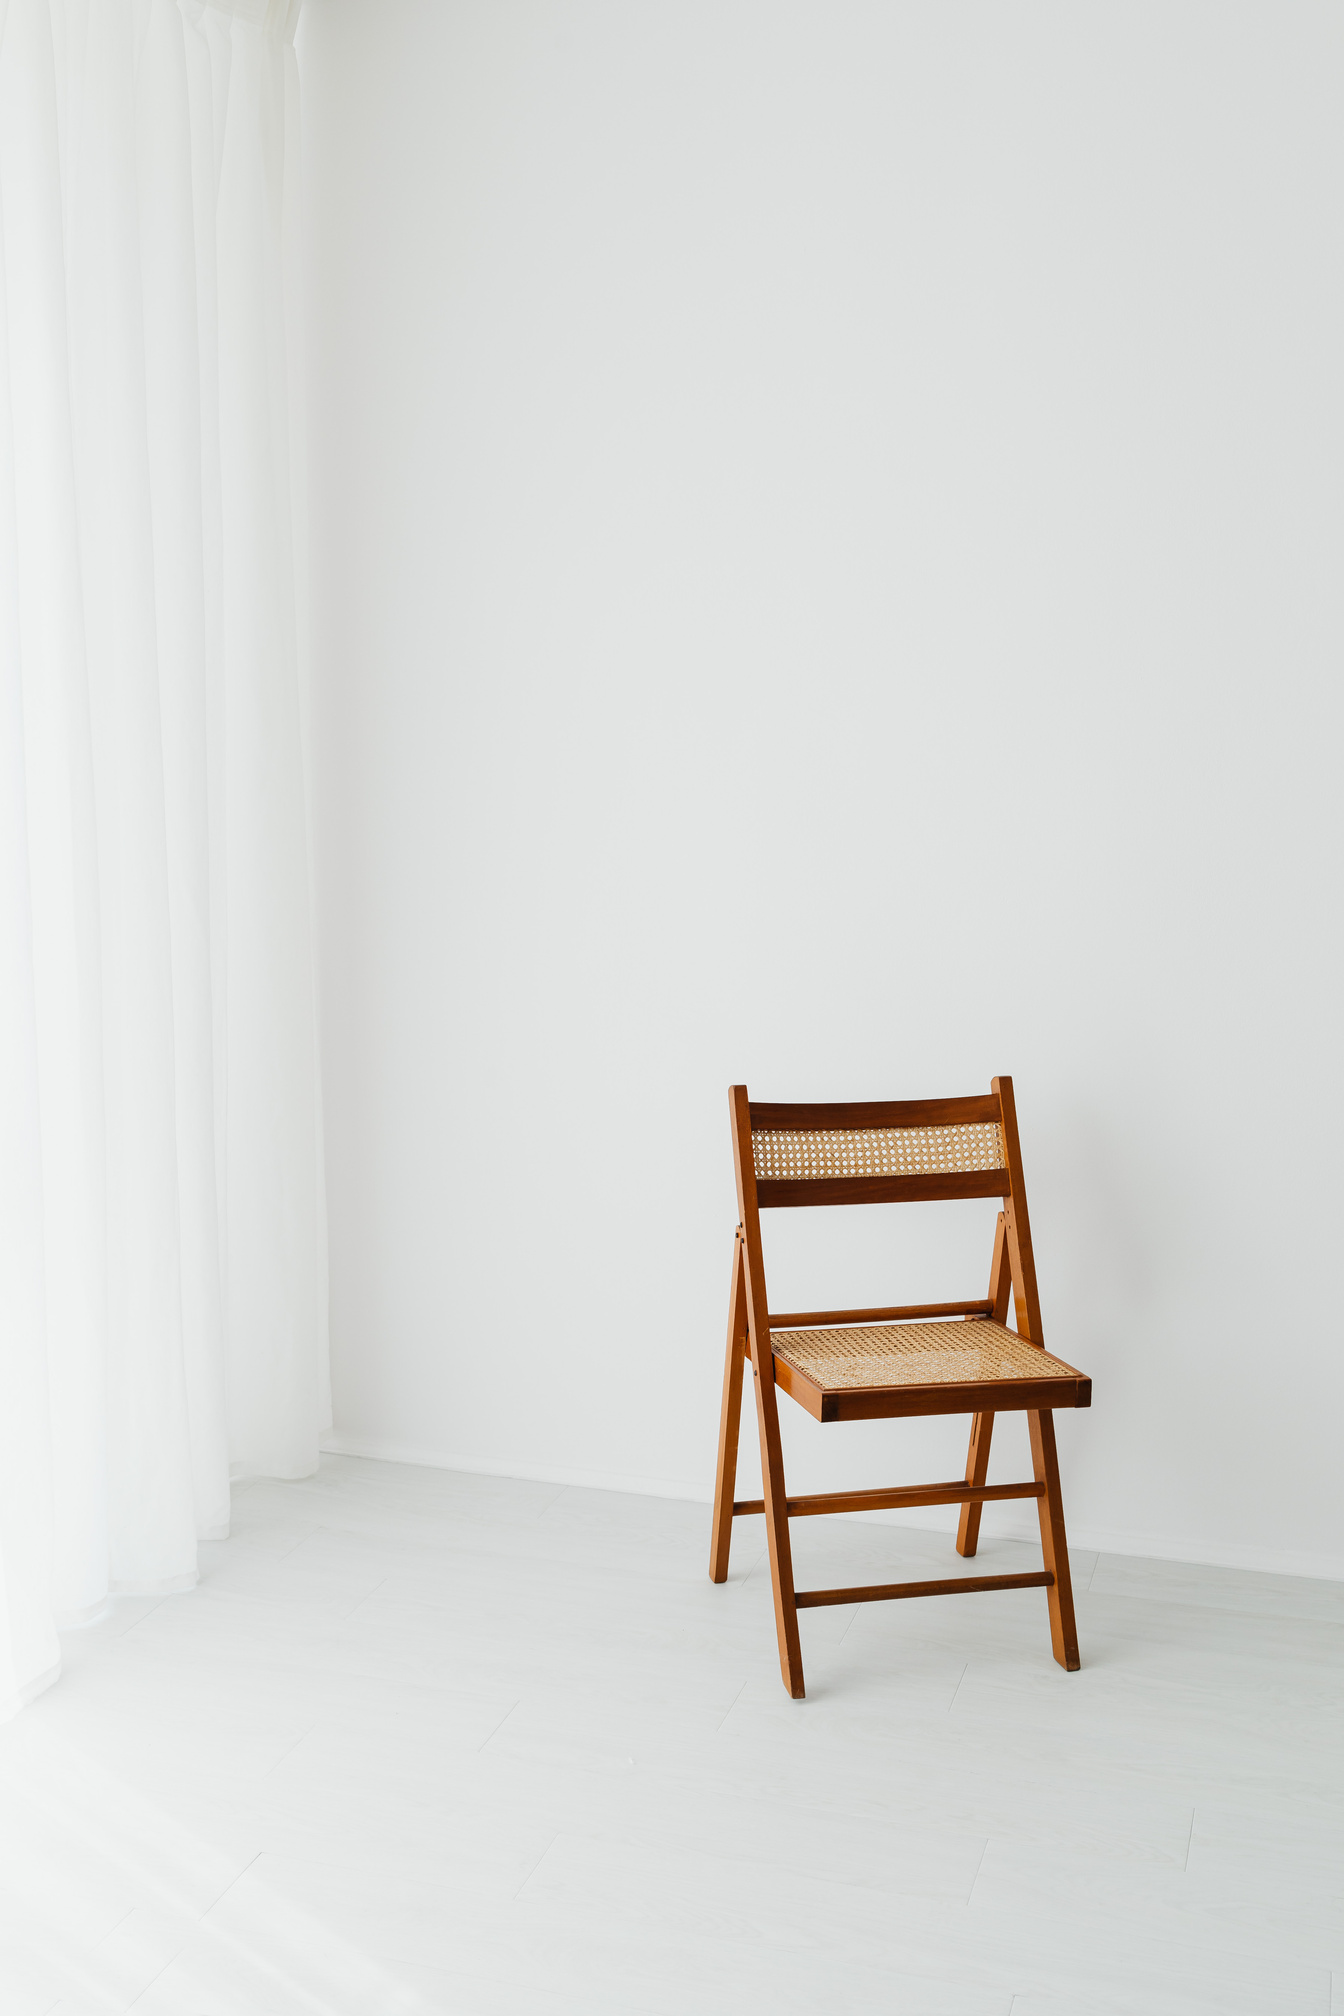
(162, 1223)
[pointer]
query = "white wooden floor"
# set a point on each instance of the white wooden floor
(424, 1741)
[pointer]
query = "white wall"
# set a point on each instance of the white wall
(827, 533)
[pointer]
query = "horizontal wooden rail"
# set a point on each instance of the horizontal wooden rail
(772, 1192)
(812, 1318)
(769, 1116)
(960, 1585)
(956, 1493)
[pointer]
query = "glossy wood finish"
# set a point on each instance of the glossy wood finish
(1054, 1543)
(1012, 1270)
(767, 1410)
(982, 1425)
(1026, 1300)
(890, 1501)
(730, 1415)
(1040, 1424)
(791, 1193)
(890, 1592)
(820, 1319)
(767, 1115)
(887, 1403)
(1000, 1274)
(977, 1468)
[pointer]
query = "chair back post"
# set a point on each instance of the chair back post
(749, 1218)
(767, 1404)
(1017, 1224)
(1000, 1273)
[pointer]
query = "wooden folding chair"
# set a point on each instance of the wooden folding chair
(864, 1364)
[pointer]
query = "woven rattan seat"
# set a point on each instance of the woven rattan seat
(868, 1364)
(914, 1354)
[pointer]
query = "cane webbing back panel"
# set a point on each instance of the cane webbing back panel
(795, 1156)
(914, 1354)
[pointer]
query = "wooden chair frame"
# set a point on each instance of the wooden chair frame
(1012, 1271)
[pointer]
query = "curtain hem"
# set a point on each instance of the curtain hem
(80, 1620)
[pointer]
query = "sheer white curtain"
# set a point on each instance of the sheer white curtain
(162, 1223)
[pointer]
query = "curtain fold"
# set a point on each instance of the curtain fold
(162, 1245)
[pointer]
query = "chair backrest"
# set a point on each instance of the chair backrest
(885, 1152)
(888, 1153)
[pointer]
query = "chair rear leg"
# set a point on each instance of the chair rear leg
(730, 1416)
(1054, 1541)
(777, 1525)
(977, 1470)
(982, 1425)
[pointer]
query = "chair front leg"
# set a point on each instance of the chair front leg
(1054, 1540)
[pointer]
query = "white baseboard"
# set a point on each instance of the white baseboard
(939, 1519)
(1094, 1539)
(336, 1443)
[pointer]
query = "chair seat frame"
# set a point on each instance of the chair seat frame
(1012, 1273)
